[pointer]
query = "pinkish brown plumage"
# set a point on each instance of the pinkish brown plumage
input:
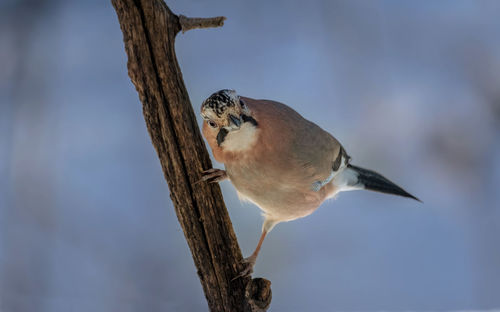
(278, 160)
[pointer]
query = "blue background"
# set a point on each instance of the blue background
(410, 88)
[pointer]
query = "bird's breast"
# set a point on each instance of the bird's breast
(277, 191)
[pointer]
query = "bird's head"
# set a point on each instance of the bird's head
(225, 112)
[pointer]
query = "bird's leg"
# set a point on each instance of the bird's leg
(213, 175)
(250, 261)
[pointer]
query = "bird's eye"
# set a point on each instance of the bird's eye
(242, 104)
(212, 124)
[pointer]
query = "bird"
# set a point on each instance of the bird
(278, 160)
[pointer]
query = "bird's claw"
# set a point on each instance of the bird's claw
(248, 264)
(213, 175)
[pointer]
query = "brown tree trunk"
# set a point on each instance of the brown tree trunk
(149, 29)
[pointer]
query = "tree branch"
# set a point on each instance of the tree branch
(188, 23)
(149, 29)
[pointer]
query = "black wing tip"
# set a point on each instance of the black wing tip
(374, 181)
(395, 190)
(408, 195)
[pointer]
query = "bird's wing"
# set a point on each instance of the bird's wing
(306, 150)
(320, 153)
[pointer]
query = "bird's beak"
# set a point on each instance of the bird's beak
(234, 121)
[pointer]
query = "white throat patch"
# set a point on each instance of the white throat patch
(240, 140)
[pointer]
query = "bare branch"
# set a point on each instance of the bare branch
(188, 23)
(149, 29)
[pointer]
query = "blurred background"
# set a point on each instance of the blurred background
(410, 88)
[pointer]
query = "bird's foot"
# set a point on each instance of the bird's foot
(248, 264)
(213, 175)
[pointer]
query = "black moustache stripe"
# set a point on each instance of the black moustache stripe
(221, 136)
(249, 119)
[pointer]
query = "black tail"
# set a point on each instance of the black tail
(373, 181)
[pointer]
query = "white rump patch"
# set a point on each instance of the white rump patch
(347, 180)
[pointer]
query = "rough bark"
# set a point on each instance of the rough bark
(149, 29)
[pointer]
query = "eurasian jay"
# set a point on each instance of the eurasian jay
(281, 162)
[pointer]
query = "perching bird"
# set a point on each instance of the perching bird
(281, 162)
